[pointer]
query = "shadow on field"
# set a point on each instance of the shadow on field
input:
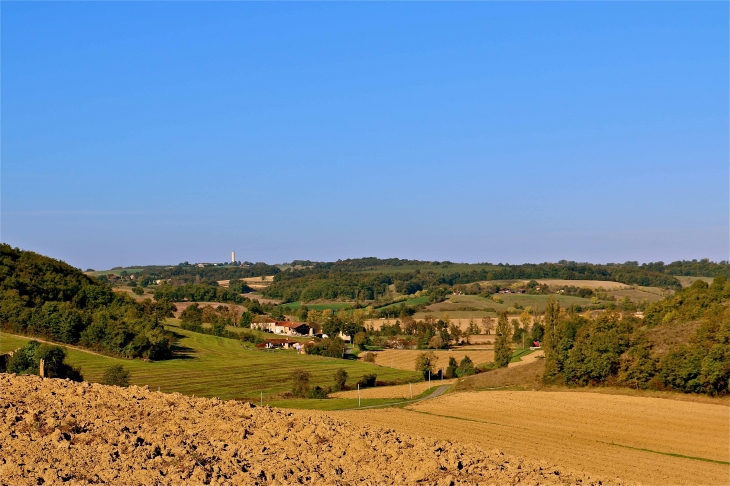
(181, 352)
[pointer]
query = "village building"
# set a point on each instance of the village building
(283, 327)
(279, 343)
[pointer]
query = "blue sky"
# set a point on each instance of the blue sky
(142, 133)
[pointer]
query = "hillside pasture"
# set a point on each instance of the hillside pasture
(640, 293)
(642, 439)
(319, 305)
(687, 281)
(211, 366)
(259, 283)
(409, 302)
(456, 302)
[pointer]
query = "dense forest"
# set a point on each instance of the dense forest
(683, 343)
(47, 298)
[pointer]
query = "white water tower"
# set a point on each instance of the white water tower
(233, 257)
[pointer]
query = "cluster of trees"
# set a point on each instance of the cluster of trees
(43, 297)
(302, 389)
(618, 348)
(463, 368)
(26, 361)
(198, 293)
(698, 268)
(308, 285)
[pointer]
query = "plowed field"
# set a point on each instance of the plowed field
(54, 431)
(649, 440)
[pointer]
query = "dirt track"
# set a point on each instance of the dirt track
(56, 431)
(607, 435)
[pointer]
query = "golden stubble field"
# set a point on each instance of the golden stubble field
(405, 359)
(612, 436)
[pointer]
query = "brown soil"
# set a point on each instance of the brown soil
(57, 431)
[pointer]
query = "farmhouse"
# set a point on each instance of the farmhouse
(279, 343)
(283, 327)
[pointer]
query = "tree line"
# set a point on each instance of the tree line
(618, 348)
(47, 298)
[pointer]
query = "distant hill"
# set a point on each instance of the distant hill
(49, 299)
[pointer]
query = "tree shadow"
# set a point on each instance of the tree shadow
(181, 352)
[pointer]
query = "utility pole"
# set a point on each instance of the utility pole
(358, 395)
(262, 399)
(429, 379)
(411, 390)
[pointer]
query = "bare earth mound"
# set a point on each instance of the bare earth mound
(58, 431)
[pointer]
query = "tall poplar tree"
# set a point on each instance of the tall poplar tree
(502, 346)
(551, 339)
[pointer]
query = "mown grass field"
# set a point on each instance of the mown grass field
(210, 366)
(456, 302)
(321, 306)
(414, 301)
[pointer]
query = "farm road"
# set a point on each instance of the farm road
(436, 393)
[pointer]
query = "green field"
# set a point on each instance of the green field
(327, 305)
(414, 301)
(508, 300)
(210, 366)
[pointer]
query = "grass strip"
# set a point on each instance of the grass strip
(667, 453)
(467, 419)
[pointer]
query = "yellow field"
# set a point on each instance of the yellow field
(628, 437)
(405, 359)
(397, 391)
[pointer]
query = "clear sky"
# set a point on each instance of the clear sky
(143, 133)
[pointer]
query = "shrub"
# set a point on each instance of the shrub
(26, 360)
(370, 357)
(138, 290)
(317, 392)
(367, 380)
(116, 375)
(340, 379)
(301, 383)
(466, 367)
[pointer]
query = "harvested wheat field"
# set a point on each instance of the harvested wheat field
(57, 431)
(630, 437)
(397, 391)
(405, 359)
